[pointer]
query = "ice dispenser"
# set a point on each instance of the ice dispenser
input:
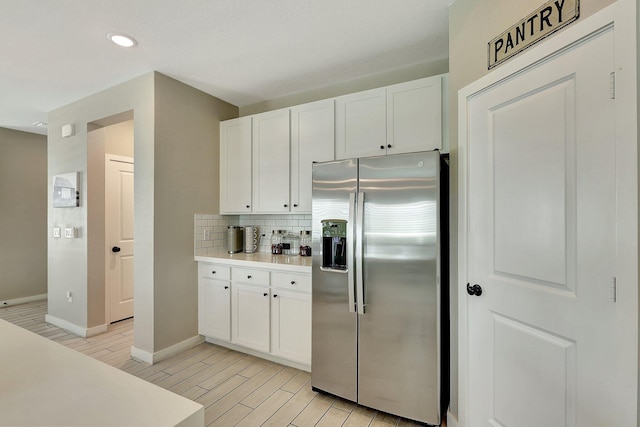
(334, 244)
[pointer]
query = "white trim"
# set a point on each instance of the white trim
(146, 356)
(260, 354)
(622, 14)
(75, 329)
(23, 300)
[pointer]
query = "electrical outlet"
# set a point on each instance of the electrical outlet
(69, 296)
(57, 232)
(206, 235)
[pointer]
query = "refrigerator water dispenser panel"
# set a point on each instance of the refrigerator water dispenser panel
(334, 244)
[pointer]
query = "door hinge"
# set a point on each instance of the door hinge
(612, 85)
(614, 290)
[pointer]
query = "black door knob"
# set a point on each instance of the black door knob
(115, 249)
(474, 290)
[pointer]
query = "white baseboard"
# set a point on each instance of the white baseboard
(452, 421)
(73, 328)
(146, 356)
(24, 300)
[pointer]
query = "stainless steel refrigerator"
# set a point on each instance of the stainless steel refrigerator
(380, 283)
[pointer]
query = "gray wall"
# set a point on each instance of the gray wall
(175, 150)
(472, 24)
(23, 210)
(187, 147)
(370, 82)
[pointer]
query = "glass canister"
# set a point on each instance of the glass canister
(276, 242)
(290, 244)
(305, 243)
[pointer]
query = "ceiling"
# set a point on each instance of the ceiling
(242, 51)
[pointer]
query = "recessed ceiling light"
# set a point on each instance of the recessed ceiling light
(122, 39)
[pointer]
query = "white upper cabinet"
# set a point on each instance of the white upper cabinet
(271, 162)
(402, 118)
(414, 116)
(312, 140)
(235, 165)
(361, 124)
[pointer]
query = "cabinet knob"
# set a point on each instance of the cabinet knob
(248, 277)
(286, 205)
(388, 145)
(226, 287)
(293, 282)
(265, 294)
(295, 206)
(275, 295)
(382, 147)
(213, 272)
(248, 206)
(115, 249)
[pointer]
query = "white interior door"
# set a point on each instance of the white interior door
(545, 335)
(119, 237)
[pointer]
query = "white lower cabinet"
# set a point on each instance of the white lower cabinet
(250, 316)
(214, 309)
(291, 324)
(266, 311)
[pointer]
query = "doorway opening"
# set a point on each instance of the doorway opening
(110, 219)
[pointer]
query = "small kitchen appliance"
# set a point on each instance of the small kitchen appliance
(234, 239)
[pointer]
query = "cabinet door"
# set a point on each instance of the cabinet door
(271, 162)
(291, 325)
(214, 308)
(235, 165)
(312, 140)
(361, 124)
(250, 316)
(414, 116)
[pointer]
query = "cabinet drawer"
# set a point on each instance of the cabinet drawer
(291, 281)
(214, 271)
(250, 275)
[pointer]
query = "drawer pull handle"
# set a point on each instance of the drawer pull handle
(293, 282)
(265, 294)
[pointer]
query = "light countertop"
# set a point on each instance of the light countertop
(45, 383)
(291, 263)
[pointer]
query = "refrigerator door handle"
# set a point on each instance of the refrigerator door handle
(360, 302)
(350, 252)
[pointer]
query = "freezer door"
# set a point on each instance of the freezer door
(334, 321)
(399, 366)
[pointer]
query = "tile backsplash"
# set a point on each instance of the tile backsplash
(210, 231)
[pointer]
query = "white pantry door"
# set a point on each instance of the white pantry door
(119, 238)
(544, 335)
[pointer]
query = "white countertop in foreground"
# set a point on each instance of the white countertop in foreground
(296, 263)
(43, 383)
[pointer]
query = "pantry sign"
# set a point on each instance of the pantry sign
(546, 20)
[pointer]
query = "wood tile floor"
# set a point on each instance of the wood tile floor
(236, 389)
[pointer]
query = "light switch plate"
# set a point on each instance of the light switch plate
(70, 232)
(57, 232)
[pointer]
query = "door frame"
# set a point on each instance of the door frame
(622, 15)
(107, 252)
